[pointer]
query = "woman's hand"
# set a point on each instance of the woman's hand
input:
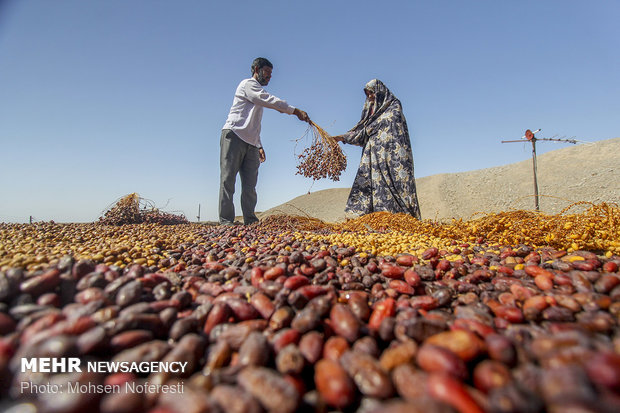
(338, 138)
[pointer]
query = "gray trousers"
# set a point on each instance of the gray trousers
(237, 156)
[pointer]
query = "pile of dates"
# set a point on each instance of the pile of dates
(267, 323)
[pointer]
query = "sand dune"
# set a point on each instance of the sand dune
(584, 172)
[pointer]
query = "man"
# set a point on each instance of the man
(241, 150)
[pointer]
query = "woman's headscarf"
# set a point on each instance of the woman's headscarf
(383, 99)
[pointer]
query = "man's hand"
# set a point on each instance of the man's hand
(261, 155)
(301, 115)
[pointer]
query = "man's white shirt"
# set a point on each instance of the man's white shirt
(246, 112)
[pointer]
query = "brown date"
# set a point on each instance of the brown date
(333, 383)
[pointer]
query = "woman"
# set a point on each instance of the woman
(384, 180)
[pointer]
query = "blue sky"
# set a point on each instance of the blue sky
(99, 99)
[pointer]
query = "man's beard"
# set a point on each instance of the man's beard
(261, 79)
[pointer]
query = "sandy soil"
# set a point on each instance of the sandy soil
(584, 172)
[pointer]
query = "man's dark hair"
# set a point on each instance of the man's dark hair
(259, 63)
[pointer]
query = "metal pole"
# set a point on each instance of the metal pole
(530, 136)
(198, 213)
(535, 173)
